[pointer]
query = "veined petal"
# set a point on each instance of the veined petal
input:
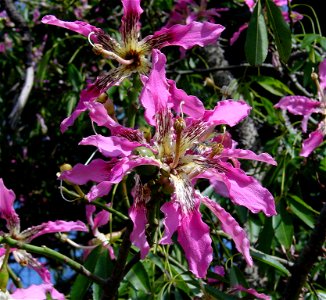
(155, 93)
(193, 236)
(37, 292)
(228, 112)
(51, 227)
(99, 190)
(111, 146)
(77, 26)
(138, 236)
(130, 21)
(322, 74)
(97, 170)
(298, 105)
(231, 227)
(171, 221)
(311, 143)
(183, 103)
(7, 211)
(87, 95)
(247, 154)
(186, 36)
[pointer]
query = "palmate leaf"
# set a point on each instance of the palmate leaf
(256, 45)
(281, 30)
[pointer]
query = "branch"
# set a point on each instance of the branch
(307, 258)
(47, 252)
(27, 40)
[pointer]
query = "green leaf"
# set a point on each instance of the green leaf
(269, 260)
(42, 67)
(282, 224)
(75, 77)
(82, 283)
(138, 277)
(256, 45)
(266, 236)
(302, 210)
(273, 85)
(281, 30)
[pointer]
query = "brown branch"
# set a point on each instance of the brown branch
(27, 40)
(307, 258)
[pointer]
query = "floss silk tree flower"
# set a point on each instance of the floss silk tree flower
(304, 106)
(131, 53)
(181, 151)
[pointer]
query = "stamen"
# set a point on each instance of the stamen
(217, 149)
(89, 38)
(179, 126)
(314, 77)
(181, 104)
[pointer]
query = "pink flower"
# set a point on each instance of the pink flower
(37, 292)
(240, 288)
(8, 213)
(131, 53)
(304, 106)
(177, 155)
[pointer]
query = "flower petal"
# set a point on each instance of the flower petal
(111, 146)
(171, 221)
(247, 154)
(77, 26)
(231, 227)
(250, 291)
(184, 103)
(186, 36)
(236, 35)
(155, 93)
(99, 190)
(138, 237)
(311, 143)
(228, 112)
(37, 292)
(322, 74)
(7, 211)
(193, 236)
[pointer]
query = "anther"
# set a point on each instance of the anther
(179, 126)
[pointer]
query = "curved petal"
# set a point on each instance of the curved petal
(111, 146)
(183, 103)
(97, 170)
(322, 74)
(236, 35)
(155, 93)
(247, 154)
(251, 291)
(51, 227)
(311, 143)
(186, 36)
(7, 211)
(138, 236)
(37, 292)
(193, 236)
(130, 21)
(298, 105)
(87, 95)
(99, 190)
(231, 227)
(171, 221)
(80, 27)
(228, 112)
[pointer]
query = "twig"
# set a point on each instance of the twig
(28, 60)
(307, 258)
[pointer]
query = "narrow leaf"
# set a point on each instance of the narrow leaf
(256, 45)
(283, 227)
(281, 30)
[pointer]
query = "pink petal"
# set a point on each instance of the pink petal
(111, 146)
(56, 226)
(37, 292)
(193, 236)
(7, 211)
(253, 292)
(171, 221)
(228, 112)
(77, 26)
(298, 105)
(87, 95)
(311, 143)
(322, 74)
(130, 21)
(236, 35)
(219, 270)
(186, 36)
(231, 227)
(250, 4)
(97, 171)
(247, 154)
(101, 219)
(138, 236)
(182, 102)
(99, 190)
(155, 93)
